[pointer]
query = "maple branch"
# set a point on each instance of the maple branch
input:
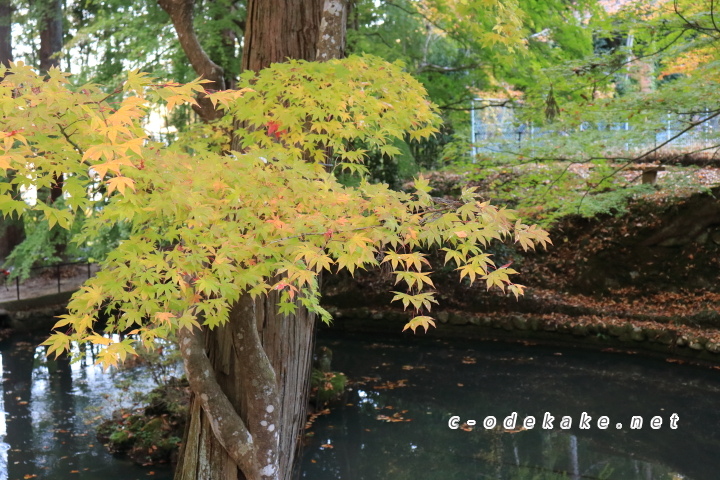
(181, 14)
(70, 141)
(449, 205)
(228, 427)
(712, 15)
(311, 234)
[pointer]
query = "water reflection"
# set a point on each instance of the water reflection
(394, 424)
(49, 412)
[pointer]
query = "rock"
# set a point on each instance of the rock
(665, 337)
(455, 319)
(550, 327)
(443, 317)
(617, 330)
(564, 328)
(519, 322)
(637, 334)
(712, 347)
(715, 237)
(580, 330)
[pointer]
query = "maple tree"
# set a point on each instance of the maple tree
(209, 225)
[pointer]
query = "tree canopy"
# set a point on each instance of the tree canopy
(208, 224)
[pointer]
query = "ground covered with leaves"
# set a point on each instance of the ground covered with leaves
(650, 273)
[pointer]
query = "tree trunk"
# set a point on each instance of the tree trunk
(12, 231)
(6, 52)
(275, 31)
(51, 34)
(51, 43)
(286, 342)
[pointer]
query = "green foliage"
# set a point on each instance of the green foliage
(645, 95)
(208, 224)
(40, 244)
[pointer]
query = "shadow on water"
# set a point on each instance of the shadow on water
(49, 414)
(394, 423)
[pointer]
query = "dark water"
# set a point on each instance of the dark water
(49, 413)
(394, 424)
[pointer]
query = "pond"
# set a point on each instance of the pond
(49, 413)
(394, 422)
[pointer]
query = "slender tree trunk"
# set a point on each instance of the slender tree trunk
(258, 389)
(11, 230)
(6, 50)
(51, 34)
(51, 43)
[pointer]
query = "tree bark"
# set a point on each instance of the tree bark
(6, 50)
(51, 43)
(276, 30)
(51, 34)
(331, 38)
(181, 15)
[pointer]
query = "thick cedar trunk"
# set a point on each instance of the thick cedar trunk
(276, 31)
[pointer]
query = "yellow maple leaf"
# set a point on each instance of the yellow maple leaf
(119, 184)
(421, 321)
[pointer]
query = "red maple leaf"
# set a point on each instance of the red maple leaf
(273, 128)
